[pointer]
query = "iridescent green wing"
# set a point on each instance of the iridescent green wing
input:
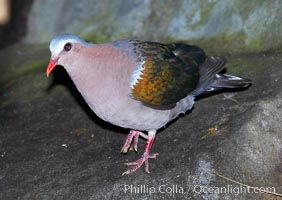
(165, 73)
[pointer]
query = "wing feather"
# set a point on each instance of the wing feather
(165, 73)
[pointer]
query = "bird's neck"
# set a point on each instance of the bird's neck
(101, 73)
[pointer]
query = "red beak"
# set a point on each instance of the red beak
(52, 64)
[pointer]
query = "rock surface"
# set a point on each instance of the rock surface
(53, 147)
(222, 26)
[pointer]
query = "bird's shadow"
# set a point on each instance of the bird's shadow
(61, 77)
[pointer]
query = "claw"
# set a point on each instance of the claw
(135, 142)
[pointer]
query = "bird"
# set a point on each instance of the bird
(139, 85)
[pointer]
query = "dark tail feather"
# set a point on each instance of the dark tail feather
(210, 80)
(228, 81)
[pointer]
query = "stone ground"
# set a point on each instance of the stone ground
(53, 147)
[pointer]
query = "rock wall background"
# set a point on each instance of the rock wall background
(218, 25)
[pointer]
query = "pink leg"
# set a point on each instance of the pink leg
(145, 156)
(132, 134)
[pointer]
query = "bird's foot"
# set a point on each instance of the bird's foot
(132, 134)
(145, 157)
(138, 163)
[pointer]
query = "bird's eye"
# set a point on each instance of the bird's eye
(67, 46)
